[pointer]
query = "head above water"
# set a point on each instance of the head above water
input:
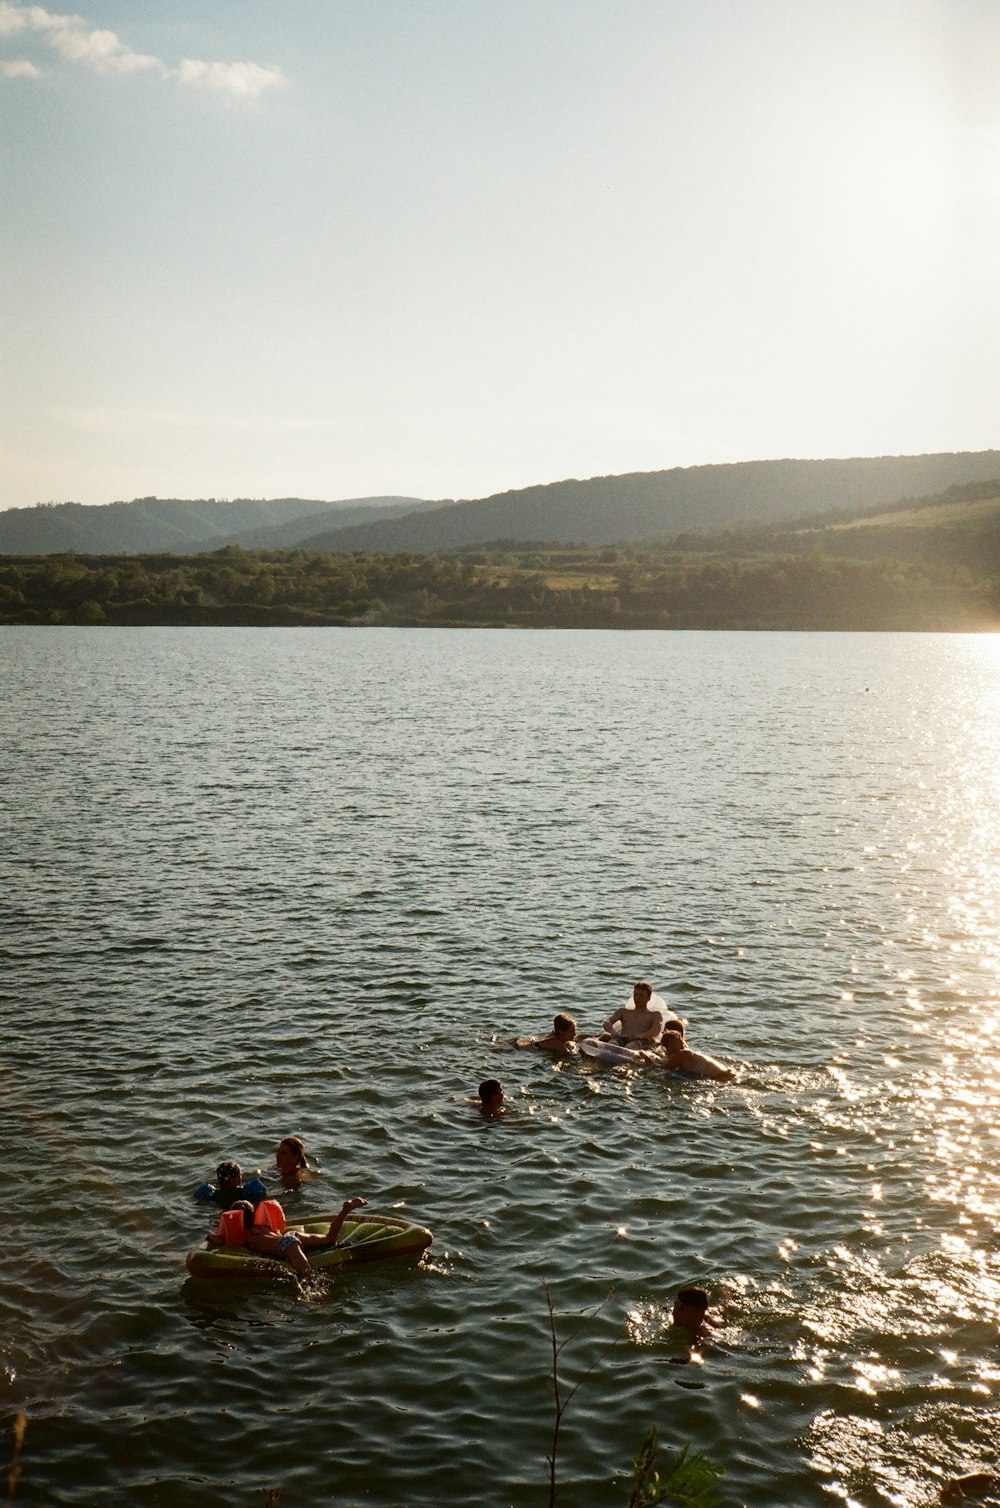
(564, 1027)
(291, 1154)
(247, 1211)
(228, 1174)
(491, 1093)
(642, 992)
(690, 1308)
(672, 1043)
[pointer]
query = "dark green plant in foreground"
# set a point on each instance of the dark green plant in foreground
(688, 1479)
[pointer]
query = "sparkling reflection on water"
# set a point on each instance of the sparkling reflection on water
(267, 881)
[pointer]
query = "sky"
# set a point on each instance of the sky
(443, 248)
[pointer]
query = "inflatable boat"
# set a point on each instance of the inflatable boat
(363, 1238)
(610, 1052)
(616, 1052)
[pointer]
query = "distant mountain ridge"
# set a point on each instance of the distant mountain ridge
(634, 508)
(152, 526)
(656, 505)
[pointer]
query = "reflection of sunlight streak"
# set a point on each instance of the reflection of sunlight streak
(870, 1375)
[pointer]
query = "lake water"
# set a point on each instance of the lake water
(266, 882)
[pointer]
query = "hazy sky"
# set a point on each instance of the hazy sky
(334, 248)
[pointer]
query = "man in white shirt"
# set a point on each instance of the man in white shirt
(641, 1019)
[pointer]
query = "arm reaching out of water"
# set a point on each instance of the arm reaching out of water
(313, 1243)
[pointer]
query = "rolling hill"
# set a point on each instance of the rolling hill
(151, 525)
(635, 508)
(660, 504)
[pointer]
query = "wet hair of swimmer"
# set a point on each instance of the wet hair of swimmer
(489, 1089)
(563, 1023)
(228, 1173)
(247, 1210)
(296, 1145)
(693, 1298)
(672, 1040)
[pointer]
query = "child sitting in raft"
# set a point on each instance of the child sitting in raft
(675, 1056)
(229, 1187)
(292, 1245)
(560, 1041)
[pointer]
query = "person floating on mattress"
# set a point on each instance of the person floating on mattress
(292, 1245)
(673, 1055)
(640, 1020)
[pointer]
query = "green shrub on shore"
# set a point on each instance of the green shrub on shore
(536, 586)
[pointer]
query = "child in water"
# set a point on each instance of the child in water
(291, 1162)
(229, 1187)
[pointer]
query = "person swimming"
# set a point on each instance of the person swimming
(230, 1186)
(690, 1312)
(491, 1097)
(673, 1055)
(562, 1039)
(291, 1161)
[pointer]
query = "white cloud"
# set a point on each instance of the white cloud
(19, 68)
(102, 51)
(12, 19)
(234, 80)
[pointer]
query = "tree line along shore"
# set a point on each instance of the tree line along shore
(510, 585)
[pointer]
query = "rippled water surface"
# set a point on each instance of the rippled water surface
(261, 882)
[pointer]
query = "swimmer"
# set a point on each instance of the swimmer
(561, 1040)
(491, 1097)
(229, 1175)
(293, 1245)
(229, 1186)
(640, 1019)
(291, 1161)
(690, 1312)
(680, 1059)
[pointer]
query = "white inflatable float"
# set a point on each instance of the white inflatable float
(610, 1052)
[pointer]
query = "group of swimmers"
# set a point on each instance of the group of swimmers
(643, 1027)
(233, 1192)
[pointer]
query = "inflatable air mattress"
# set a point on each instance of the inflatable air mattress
(363, 1238)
